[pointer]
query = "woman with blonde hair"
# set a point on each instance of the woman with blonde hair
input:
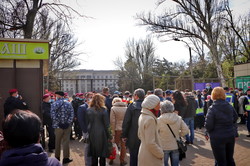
(98, 124)
(117, 114)
(221, 127)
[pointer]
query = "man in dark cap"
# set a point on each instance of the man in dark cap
(62, 114)
(246, 107)
(14, 102)
(47, 121)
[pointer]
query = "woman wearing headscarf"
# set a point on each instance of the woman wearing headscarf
(168, 141)
(98, 124)
(220, 124)
(150, 151)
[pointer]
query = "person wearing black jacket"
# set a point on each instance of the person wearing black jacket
(47, 121)
(189, 115)
(13, 102)
(221, 128)
(79, 100)
(130, 126)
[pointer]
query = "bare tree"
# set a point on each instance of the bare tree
(20, 15)
(240, 34)
(199, 19)
(137, 71)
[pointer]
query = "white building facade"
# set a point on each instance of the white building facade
(77, 81)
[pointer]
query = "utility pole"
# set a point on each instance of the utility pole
(190, 62)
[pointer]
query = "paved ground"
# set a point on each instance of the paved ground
(198, 154)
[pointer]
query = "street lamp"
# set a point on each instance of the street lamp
(190, 62)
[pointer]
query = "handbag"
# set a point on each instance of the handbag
(182, 147)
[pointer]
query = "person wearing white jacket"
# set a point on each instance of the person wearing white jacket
(178, 126)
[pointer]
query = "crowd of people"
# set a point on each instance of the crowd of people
(147, 124)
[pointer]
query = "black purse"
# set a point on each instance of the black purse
(182, 147)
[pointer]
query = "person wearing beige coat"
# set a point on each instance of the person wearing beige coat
(178, 126)
(117, 114)
(150, 151)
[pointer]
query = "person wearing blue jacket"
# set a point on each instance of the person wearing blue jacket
(82, 119)
(221, 127)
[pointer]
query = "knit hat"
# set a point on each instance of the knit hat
(150, 101)
(167, 107)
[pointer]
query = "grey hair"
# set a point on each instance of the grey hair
(158, 92)
(140, 93)
(167, 107)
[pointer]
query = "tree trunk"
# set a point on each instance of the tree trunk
(30, 19)
(217, 62)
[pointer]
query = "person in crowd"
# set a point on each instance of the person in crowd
(150, 151)
(229, 96)
(62, 114)
(127, 97)
(209, 101)
(117, 114)
(149, 92)
(241, 112)
(180, 104)
(21, 130)
(82, 119)
(159, 92)
(14, 101)
(199, 117)
(209, 88)
(98, 129)
(47, 121)
(169, 95)
(221, 127)
(108, 99)
(130, 126)
(79, 100)
(246, 107)
(168, 141)
(204, 95)
(188, 116)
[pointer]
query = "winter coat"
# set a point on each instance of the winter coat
(46, 113)
(117, 114)
(181, 109)
(178, 126)
(130, 125)
(190, 112)
(13, 103)
(30, 155)
(221, 120)
(98, 126)
(75, 104)
(82, 117)
(150, 151)
(241, 101)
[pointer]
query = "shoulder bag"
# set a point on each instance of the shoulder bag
(182, 147)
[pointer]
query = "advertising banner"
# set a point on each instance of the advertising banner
(243, 82)
(24, 49)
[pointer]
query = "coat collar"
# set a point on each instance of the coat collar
(147, 112)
